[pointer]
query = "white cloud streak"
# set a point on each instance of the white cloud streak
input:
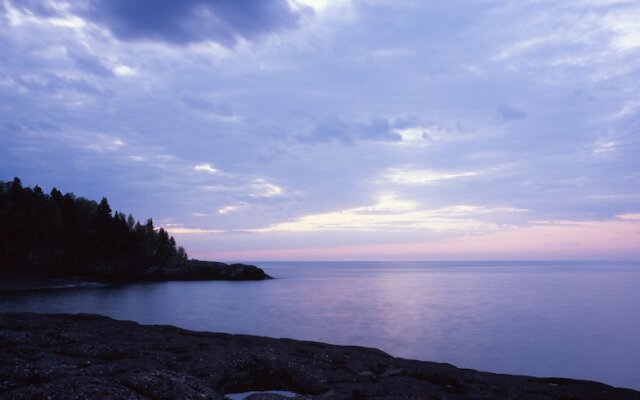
(391, 213)
(424, 176)
(206, 168)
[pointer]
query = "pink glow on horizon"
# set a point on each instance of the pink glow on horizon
(614, 239)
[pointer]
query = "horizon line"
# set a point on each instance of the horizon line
(439, 261)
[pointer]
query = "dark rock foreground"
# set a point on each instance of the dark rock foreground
(62, 356)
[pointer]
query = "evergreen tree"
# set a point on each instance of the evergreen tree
(55, 233)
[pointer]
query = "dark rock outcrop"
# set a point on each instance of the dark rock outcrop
(184, 270)
(209, 270)
(60, 356)
(188, 270)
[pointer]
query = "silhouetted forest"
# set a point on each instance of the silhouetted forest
(59, 233)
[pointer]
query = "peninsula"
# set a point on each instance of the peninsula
(55, 235)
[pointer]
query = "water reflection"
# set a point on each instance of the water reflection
(550, 319)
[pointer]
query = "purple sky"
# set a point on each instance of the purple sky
(336, 129)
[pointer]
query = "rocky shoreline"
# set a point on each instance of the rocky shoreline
(64, 356)
(191, 270)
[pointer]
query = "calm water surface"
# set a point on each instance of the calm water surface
(579, 320)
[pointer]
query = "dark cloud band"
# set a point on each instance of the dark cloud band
(187, 21)
(181, 21)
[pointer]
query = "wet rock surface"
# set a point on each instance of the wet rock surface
(63, 356)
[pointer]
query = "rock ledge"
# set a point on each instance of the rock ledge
(63, 356)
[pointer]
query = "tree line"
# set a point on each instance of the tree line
(60, 233)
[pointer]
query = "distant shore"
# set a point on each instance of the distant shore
(60, 356)
(191, 270)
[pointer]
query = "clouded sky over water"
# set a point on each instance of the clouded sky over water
(336, 129)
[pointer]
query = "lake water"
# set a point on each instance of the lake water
(566, 319)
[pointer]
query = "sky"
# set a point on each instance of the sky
(336, 129)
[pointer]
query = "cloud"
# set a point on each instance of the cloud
(228, 209)
(91, 64)
(123, 70)
(181, 230)
(604, 148)
(634, 217)
(361, 98)
(262, 188)
(38, 7)
(49, 83)
(242, 185)
(421, 177)
(391, 213)
(415, 135)
(511, 113)
(560, 240)
(225, 22)
(189, 21)
(626, 27)
(204, 105)
(206, 168)
(335, 129)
